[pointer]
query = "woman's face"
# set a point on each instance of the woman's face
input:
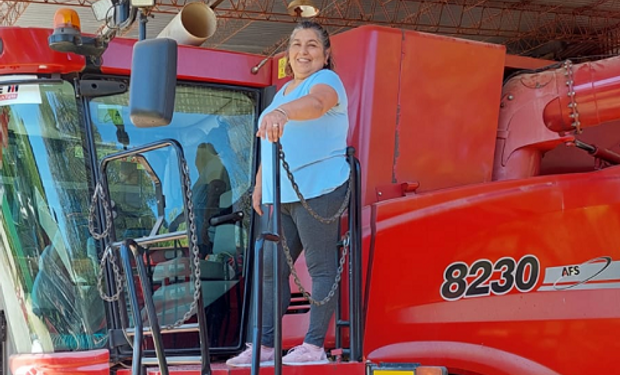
(306, 53)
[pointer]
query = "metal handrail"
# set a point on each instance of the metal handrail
(143, 276)
(135, 307)
(356, 333)
(355, 267)
(355, 319)
(275, 237)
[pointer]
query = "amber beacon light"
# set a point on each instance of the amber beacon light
(66, 19)
(67, 35)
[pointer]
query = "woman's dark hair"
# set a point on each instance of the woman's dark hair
(323, 37)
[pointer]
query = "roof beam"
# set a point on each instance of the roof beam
(229, 27)
(376, 11)
(10, 11)
(521, 25)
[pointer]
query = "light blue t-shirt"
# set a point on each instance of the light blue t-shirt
(314, 149)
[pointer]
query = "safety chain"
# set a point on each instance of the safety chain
(329, 220)
(332, 291)
(99, 194)
(109, 253)
(303, 201)
(193, 239)
(570, 82)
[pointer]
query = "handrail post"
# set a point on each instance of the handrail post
(273, 236)
(257, 302)
(135, 308)
(355, 260)
(149, 306)
(277, 288)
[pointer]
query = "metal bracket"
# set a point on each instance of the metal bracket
(3, 344)
(3, 327)
(98, 87)
(117, 339)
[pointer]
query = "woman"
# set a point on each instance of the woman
(309, 117)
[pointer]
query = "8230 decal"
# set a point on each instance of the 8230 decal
(484, 278)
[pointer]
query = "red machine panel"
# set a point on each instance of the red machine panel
(17, 57)
(504, 278)
(93, 362)
(448, 108)
(196, 64)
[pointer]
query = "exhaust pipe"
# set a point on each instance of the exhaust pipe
(194, 24)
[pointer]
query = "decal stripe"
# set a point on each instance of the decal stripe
(598, 273)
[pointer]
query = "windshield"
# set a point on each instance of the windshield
(49, 260)
(215, 128)
(47, 257)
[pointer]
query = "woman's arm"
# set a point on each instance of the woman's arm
(321, 99)
(257, 194)
(314, 105)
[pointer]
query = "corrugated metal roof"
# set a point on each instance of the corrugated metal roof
(262, 24)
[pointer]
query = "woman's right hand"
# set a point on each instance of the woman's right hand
(257, 198)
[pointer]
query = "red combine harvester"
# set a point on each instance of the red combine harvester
(482, 236)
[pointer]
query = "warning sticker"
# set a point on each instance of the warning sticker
(14, 93)
(282, 68)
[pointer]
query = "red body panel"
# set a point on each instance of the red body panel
(196, 64)
(561, 220)
(95, 362)
(35, 56)
(448, 109)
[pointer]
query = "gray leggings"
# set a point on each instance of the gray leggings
(319, 241)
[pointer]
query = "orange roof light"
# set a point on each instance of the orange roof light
(67, 18)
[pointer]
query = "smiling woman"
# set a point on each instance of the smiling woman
(309, 116)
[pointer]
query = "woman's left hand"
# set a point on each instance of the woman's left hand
(272, 126)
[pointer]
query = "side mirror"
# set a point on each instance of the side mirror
(153, 82)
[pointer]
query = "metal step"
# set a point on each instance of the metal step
(220, 368)
(192, 327)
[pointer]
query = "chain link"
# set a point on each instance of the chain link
(99, 194)
(328, 220)
(303, 201)
(302, 290)
(109, 254)
(570, 82)
(193, 239)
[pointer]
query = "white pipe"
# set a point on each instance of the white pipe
(193, 25)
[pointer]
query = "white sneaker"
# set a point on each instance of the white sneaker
(305, 354)
(244, 359)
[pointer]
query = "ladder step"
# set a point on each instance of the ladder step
(342, 368)
(173, 361)
(192, 327)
